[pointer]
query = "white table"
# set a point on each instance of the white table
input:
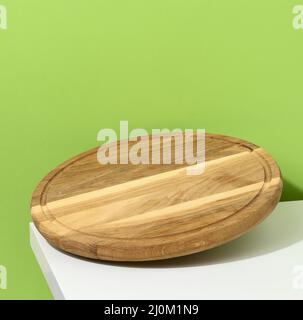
(267, 263)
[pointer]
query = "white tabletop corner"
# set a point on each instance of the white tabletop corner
(266, 263)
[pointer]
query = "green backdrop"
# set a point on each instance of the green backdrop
(69, 68)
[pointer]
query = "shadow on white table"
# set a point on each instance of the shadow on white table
(266, 263)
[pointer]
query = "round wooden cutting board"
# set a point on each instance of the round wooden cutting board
(127, 212)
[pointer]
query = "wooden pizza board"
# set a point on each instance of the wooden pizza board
(126, 212)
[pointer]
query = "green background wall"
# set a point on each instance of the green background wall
(69, 68)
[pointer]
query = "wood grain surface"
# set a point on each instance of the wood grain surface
(128, 212)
